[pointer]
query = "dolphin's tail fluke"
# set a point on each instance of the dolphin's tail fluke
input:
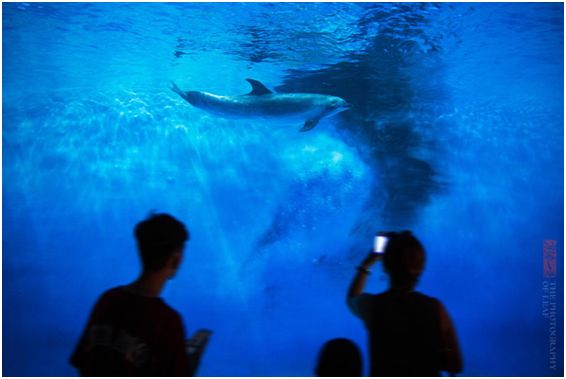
(176, 89)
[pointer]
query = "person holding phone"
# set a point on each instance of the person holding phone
(410, 334)
(131, 330)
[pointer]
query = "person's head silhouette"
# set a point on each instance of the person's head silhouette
(161, 241)
(339, 357)
(403, 259)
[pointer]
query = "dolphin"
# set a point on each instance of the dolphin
(262, 103)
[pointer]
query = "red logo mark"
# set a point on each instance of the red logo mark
(549, 256)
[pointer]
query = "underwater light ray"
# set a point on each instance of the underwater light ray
(216, 233)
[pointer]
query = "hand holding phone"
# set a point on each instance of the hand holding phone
(379, 243)
(195, 348)
(198, 341)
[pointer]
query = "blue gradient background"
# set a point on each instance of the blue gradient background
(456, 133)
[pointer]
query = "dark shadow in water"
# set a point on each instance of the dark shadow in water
(259, 48)
(381, 126)
(182, 47)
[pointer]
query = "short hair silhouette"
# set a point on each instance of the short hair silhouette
(339, 357)
(404, 258)
(158, 237)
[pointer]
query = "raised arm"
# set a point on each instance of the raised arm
(363, 270)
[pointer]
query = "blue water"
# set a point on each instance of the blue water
(456, 132)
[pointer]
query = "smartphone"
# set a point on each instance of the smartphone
(379, 243)
(198, 341)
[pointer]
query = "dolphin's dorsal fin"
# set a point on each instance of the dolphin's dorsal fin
(258, 88)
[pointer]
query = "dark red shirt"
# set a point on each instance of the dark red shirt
(132, 335)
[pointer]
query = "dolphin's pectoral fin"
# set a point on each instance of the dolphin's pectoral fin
(309, 124)
(258, 88)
